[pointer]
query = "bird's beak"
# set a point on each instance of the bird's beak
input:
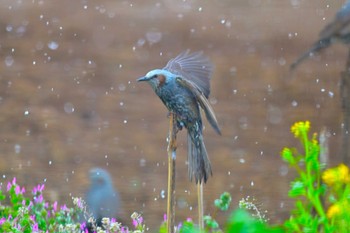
(142, 79)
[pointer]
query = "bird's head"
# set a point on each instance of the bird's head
(157, 78)
(100, 177)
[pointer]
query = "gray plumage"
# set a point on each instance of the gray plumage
(183, 85)
(101, 198)
(336, 31)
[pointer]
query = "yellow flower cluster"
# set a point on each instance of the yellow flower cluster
(300, 127)
(334, 210)
(339, 175)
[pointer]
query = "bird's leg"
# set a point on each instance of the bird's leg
(171, 173)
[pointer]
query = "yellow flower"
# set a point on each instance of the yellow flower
(334, 210)
(338, 174)
(314, 139)
(300, 127)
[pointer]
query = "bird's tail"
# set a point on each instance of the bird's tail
(317, 47)
(198, 160)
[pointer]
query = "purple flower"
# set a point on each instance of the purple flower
(54, 206)
(38, 199)
(38, 188)
(64, 207)
(83, 226)
(2, 220)
(9, 185)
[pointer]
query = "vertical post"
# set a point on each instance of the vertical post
(200, 205)
(345, 95)
(171, 173)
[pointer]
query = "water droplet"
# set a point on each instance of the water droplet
(153, 36)
(162, 194)
(68, 107)
(142, 162)
(9, 28)
(233, 71)
(17, 148)
(283, 170)
(9, 60)
(141, 42)
(125, 121)
(53, 45)
(252, 183)
(26, 112)
(121, 87)
(281, 61)
(241, 160)
(294, 103)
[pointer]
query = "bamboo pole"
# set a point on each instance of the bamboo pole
(200, 205)
(171, 174)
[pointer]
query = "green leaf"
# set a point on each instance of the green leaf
(224, 202)
(297, 189)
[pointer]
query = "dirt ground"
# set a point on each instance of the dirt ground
(69, 100)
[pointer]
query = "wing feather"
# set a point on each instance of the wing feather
(194, 67)
(203, 101)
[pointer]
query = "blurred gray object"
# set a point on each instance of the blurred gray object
(101, 198)
(336, 31)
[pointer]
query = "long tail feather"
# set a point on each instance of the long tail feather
(198, 161)
(317, 47)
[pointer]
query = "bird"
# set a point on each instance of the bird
(337, 30)
(183, 86)
(101, 198)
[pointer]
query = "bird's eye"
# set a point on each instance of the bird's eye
(155, 76)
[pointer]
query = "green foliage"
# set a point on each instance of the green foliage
(322, 203)
(27, 215)
(241, 221)
(314, 189)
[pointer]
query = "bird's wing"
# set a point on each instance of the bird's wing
(339, 24)
(203, 101)
(194, 67)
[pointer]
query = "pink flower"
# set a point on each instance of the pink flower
(35, 227)
(17, 190)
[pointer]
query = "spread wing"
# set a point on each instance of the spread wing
(202, 100)
(194, 67)
(340, 25)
